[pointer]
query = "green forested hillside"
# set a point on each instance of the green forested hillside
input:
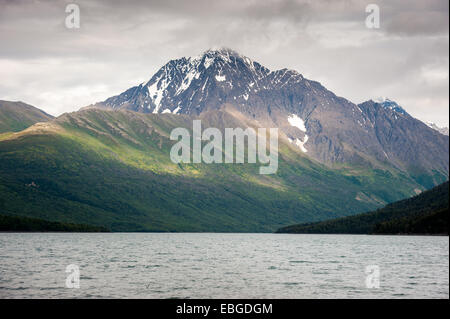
(112, 169)
(16, 116)
(427, 213)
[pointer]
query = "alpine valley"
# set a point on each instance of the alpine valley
(108, 164)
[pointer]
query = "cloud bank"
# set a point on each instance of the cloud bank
(122, 43)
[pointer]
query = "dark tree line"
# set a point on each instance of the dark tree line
(26, 224)
(426, 213)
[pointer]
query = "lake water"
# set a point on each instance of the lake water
(143, 265)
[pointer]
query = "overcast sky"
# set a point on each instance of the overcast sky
(123, 43)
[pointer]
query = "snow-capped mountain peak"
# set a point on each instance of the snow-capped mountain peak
(442, 130)
(188, 84)
(390, 104)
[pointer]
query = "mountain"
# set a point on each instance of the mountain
(407, 142)
(333, 130)
(109, 164)
(16, 116)
(427, 213)
(113, 169)
(392, 105)
(442, 130)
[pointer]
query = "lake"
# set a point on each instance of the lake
(207, 265)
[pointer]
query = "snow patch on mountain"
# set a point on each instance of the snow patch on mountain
(208, 62)
(192, 74)
(301, 144)
(296, 121)
(220, 78)
(157, 93)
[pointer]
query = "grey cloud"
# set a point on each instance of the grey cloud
(122, 43)
(419, 23)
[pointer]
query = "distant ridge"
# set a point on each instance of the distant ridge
(442, 130)
(17, 116)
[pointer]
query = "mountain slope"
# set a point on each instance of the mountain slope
(334, 131)
(16, 116)
(427, 213)
(112, 169)
(408, 142)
